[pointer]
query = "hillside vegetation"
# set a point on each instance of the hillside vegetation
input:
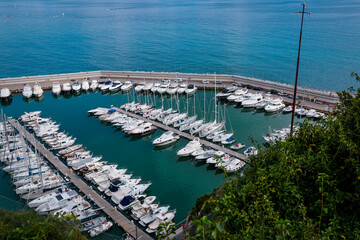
(31, 225)
(305, 188)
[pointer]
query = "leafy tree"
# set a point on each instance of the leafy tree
(307, 187)
(30, 225)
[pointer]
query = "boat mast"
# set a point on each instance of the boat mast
(215, 96)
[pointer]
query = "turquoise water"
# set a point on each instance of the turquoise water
(175, 181)
(252, 38)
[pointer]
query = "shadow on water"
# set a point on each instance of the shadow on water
(77, 94)
(272, 114)
(165, 148)
(39, 99)
(200, 163)
(248, 110)
(28, 100)
(145, 137)
(56, 96)
(85, 92)
(67, 95)
(6, 102)
(184, 159)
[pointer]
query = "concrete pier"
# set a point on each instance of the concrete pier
(320, 96)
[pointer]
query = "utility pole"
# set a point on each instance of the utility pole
(297, 66)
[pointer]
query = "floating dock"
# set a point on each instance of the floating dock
(185, 135)
(110, 210)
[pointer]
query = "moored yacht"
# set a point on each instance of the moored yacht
(115, 86)
(38, 92)
(85, 85)
(191, 90)
(94, 84)
(166, 138)
(127, 86)
(27, 91)
(192, 146)
(66, 87)
(76, 87)
(275, 105)
(5, 94)
(56, 88)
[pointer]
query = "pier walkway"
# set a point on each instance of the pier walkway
(110, 210)
(186, 135)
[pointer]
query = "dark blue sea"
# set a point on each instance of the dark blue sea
(248, 37)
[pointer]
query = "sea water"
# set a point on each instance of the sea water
(254, 38)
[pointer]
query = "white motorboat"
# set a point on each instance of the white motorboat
(218, 156)
(38, 92)
(262, 103)
(143, 129)
(106, 85)
(198, 152)
(222, 137)
(250, 151)
(106, 225)
(224, 94)
(163, 88)
(172, 89)
(287, 109)
(311, 113)
(166, 138)
(252, 101)
(139, 87)
(66, 87)
(5, 94)
(56, 88)
(52, 182)
(85, 85)
(199, 127)
(302, 112)
(207, 154)
(235, 165)
(46, 197)
(127, 86)
(153, 226)
(27, 91)
(228, 141)
(192, 146)
(237, 146)
(155, 87)
(88, 225)
(275, 105)
(148, 87)
(56, 202)
(152, 215)
(76, 87)
(116, 86)
(181, 88)
(191, 90)
(174, 119)
(77, 204)
(243, 97)
(94, 85)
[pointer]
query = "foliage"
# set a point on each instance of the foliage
(165, 229)
(30, 225)
(307, 187)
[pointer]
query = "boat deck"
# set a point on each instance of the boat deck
(110, 210)
(185, 135)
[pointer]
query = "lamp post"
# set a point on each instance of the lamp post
(297, 67)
